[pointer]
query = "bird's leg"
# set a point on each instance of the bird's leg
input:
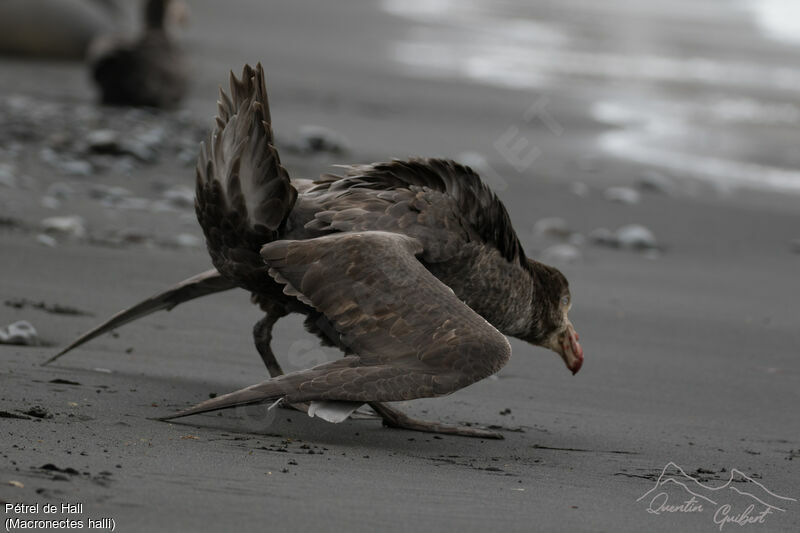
(262, 335)
(397, 419)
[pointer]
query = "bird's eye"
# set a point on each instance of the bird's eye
(565, 301)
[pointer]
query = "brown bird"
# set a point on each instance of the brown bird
(412, 268)
(149, 71)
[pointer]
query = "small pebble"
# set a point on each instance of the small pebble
(321, 139)
(73, 226)
(21, 333)
(636, 237)
(623, 195)
(103, 141)
(46, 240)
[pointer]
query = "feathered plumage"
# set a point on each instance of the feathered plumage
(411, 267)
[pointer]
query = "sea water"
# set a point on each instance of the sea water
(705, 89)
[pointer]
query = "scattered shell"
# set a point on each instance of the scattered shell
(624, 195)
(637, 237)
(552, 227)
(795, 244)
(562, 254)
(73, 226)
(20, 333)
(46, 240)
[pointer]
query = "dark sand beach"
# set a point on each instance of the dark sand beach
(691, 339)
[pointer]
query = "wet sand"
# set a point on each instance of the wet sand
(691, 350)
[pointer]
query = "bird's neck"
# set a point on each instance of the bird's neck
(498, 290)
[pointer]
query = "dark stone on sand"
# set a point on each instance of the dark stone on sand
(60, 381)
(319, 139)
(56, 309)
(50, 467)
(6, 414)
(38, 411)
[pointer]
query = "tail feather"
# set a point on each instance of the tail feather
(241, 156)
(202, 284)
(244, 195)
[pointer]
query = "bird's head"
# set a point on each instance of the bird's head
(550, 325)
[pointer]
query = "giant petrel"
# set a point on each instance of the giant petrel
(412, 268)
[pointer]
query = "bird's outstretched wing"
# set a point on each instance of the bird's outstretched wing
(410, 336)
(202, 284)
